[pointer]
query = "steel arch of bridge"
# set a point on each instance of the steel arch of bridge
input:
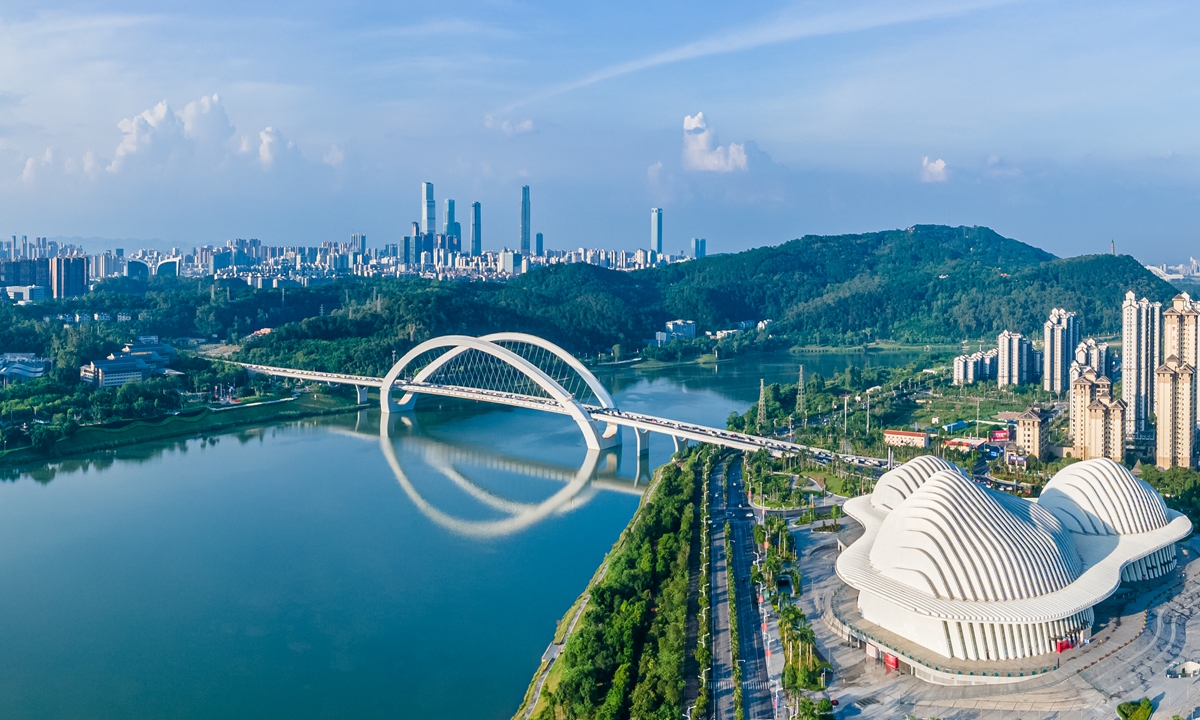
(597, 435)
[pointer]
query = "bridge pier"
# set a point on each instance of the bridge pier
(681, 443)
(388, 404)
(362, 394)
(643, 441)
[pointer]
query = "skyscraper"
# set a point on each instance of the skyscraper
(453, 229)
(538, 246)
(476, 229)
(1141, 330)
(428, 209)
(359, 242)
(656, 230)
(1060, 336)
(1013, 359)
(524, 221)
(698, 248)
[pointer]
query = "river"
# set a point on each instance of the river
(326, 568)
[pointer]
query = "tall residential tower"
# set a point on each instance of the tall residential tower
(1060, 336)
(1141, 330)
(1013, 359)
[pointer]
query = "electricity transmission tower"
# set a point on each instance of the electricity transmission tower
(801, 405)
(762, 405)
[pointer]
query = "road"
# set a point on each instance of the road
(756, 689)
(722, 657)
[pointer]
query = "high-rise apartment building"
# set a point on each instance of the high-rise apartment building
(537, 248)
(1181, 330)
(1060, 336)
(699, 248)
(428, 209)
(1097, 418)
(656, 230)
(476, 229)
(1141, 335)
(1012, 359)
(68, 277)
(358, 241)
(1094, 354)
(1175, 405)
(525, 221)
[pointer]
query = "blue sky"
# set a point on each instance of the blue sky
(1063, 124)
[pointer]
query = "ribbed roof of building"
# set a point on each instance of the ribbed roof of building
(953, 539)
(897, 484)
(1101, 497)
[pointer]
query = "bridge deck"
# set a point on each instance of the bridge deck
(639, 421)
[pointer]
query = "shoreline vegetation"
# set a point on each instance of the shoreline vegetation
(626, 654)
(124, 433)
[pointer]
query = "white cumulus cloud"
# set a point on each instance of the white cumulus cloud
(157, 133)
(933, 171)
(205, 120)
(272, 147)
(701, 152)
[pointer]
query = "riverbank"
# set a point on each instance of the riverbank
(92, 438)
(630, 589)
(795, 351)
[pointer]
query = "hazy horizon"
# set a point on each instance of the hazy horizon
(1064, 125)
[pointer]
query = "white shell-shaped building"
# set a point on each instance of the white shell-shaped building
(976, 574)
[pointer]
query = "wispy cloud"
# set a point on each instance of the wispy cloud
(508, 127)
(774, 31)
(442, 27)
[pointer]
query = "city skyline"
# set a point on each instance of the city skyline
(235, 138)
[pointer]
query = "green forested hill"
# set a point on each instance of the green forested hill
(923, 284)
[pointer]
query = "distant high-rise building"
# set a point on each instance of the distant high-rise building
(68, 277)
(538, 249)
(453, 230)
(525, 220)
(698, 248)
(1141, 331)
(359, 242)
(510, 262)
(476, 229)
(428, 209)
(1013, 359)
(1097, 419)
(1175, 405)
(656, 230)
(1060, 336)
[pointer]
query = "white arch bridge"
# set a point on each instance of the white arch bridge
(525, 371)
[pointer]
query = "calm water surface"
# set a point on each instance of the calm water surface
(318, 570)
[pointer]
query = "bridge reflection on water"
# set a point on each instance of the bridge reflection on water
(401, 442)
